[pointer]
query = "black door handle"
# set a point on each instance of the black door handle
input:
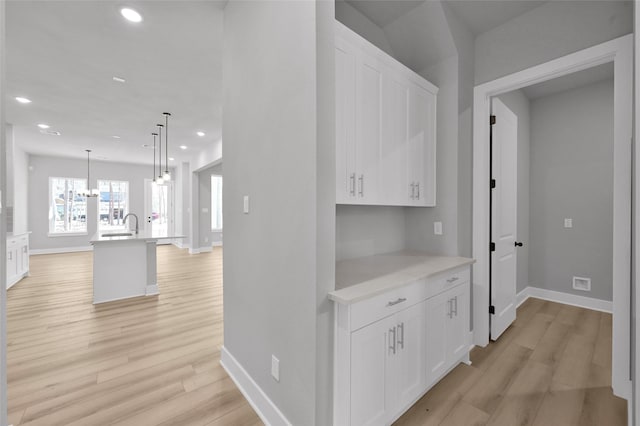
(517, 244)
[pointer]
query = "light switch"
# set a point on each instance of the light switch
(246, 204)
(568, 222)
(437, 228)
(205, 210)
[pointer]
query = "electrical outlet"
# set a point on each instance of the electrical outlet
(437, 228)
(275, 368)
(246, 204)
(568, 222)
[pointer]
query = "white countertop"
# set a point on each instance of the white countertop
(141, 236)
(362, 278)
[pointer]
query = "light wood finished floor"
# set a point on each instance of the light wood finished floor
(145, 361)
(552, 367)
(155, 361)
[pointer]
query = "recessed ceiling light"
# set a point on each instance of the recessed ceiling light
(119, 79)
(43, 126)
(115, 137)
(201, 134)
(131, 15)
(183, 147)
(23, 100)
(171, 158)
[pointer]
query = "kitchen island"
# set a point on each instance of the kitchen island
(124, 265)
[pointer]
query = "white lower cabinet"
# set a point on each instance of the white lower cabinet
(17, 258)
(410, 338)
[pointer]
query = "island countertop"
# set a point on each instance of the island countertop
(100, 237)
(365, 277)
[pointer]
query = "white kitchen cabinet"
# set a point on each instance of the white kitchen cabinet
(447, 327)
(17, 258)
(385, 127)
(392, 346)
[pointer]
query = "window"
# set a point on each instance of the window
(113, 204)
(68, 210)
(216, 203)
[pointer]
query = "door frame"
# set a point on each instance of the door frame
(170, 209)
(620, 52)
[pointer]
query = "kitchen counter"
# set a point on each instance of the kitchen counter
(363, 278)
(125, 266)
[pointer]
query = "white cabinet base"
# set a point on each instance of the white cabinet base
(17, 258)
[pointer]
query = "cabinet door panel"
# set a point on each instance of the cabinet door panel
(369, 373)
(422, 148)
(409, 364)
(458, 326)
(345, 62)
(437, 315)
(393, 151)
(369, 127)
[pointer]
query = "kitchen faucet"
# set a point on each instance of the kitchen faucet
(124, 222)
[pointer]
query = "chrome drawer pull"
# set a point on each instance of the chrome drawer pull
(399, 300)
(452, 280)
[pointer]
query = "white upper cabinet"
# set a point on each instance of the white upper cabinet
(385, 127)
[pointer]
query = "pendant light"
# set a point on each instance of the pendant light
(154, 158)
(160, 179)
(167, 175)
(89, 192)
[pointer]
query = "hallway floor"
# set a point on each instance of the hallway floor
(552, 367)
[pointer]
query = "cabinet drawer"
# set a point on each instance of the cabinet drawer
(383, 305)
(447, 280)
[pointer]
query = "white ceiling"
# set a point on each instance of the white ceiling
(571, 81)
(63, 56)
(483, 15)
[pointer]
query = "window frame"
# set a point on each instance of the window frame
(126, 209)
(53, 209)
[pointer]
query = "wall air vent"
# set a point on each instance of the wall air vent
(580, 283)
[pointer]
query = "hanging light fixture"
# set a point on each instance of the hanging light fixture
(167, 175)
(160, 179)
(154, 158)
(89, 192)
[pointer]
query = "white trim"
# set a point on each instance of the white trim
(201, 250)
(259, 401)
(35, 252)
(180, 244)
(564, 298)
(216, 244)
(620, 51)
(151, 290)
(67, 234)
(116, 299)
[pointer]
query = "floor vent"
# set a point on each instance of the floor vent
(580, 283)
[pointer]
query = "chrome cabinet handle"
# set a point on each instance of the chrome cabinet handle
(417, 190)
(352, 184)
(361, 181)
(392, 345)
(10, 255)
(455, 303)
(401, 337)
(452, 280)
(450, 313)
(398, 300)
(413, 191)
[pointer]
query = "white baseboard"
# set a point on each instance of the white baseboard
(152, 290)
(264, 407)
(200, 250)
(33, 252)
(217, 244)
(566, 298)
(181, 245)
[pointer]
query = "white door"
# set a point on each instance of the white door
(371, 348)
(158, 209)
(421, 148)
(504, 138)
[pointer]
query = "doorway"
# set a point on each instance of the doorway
(159, 208)
(619, 52)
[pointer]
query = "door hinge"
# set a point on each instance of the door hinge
(492, 247)
(492, 310)
(493, 183)
(492, 120)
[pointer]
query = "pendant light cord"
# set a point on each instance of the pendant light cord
(166, 140)
(160, 126)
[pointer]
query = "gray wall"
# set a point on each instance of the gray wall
(547, 32)
(21, 190)
(276, 258)
(572, 177)
(518, 103)
(368, 230)
(42, 168)
(359, 23)
(207, 236)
